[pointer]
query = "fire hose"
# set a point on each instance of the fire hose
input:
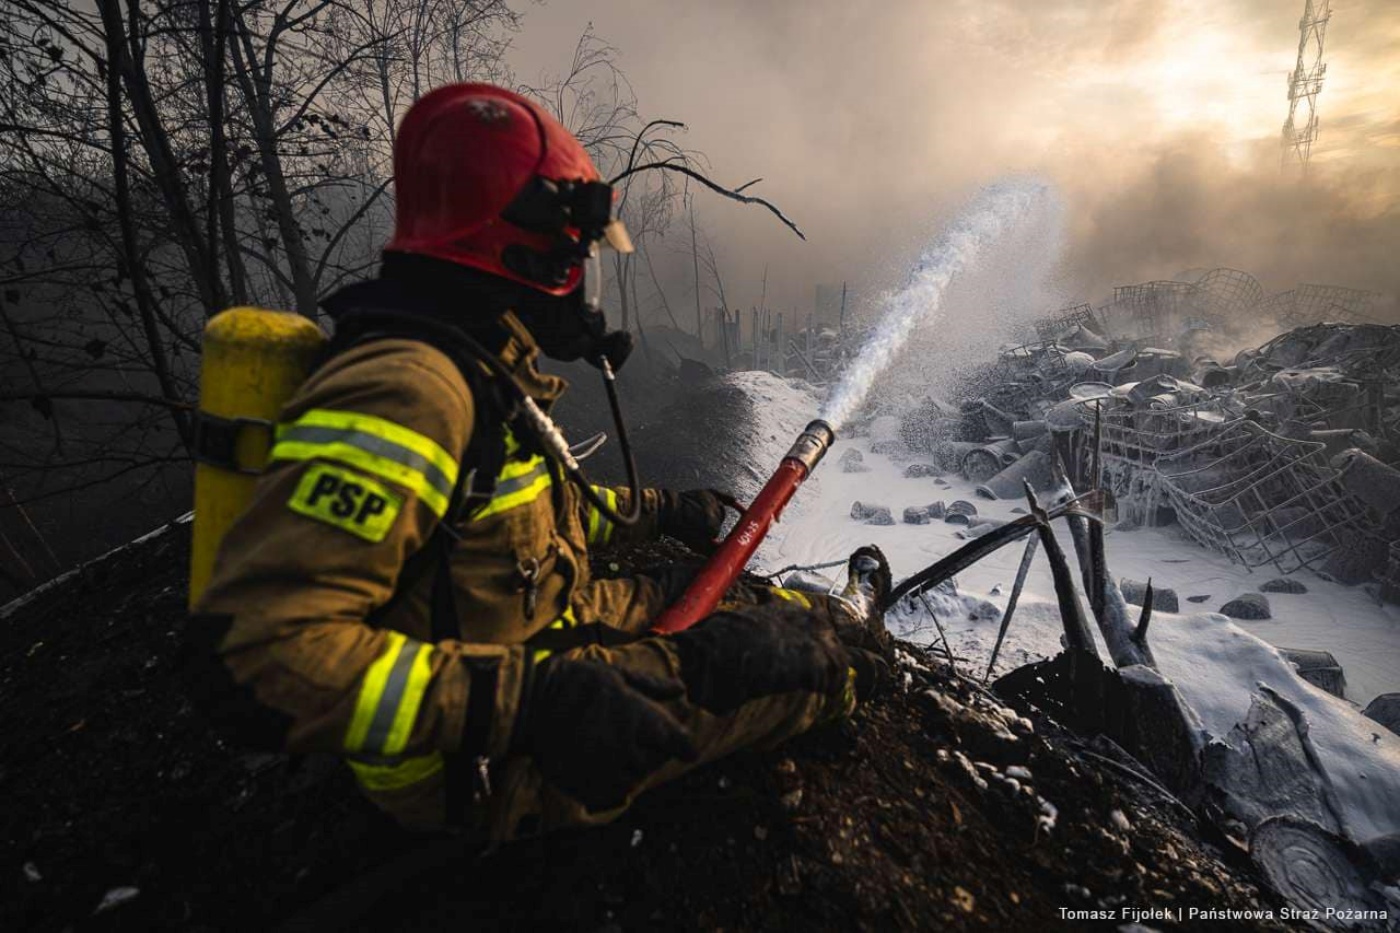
(725, 565)
(729, 560)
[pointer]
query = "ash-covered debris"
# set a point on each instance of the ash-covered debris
(1385, 709)
(917, 515)
(1251, 607)
(960, 512)
(1281, 456)
(1284, 585)
(853, 461)
(1163, 598)
(871, 514)
(1319, 668)
(936, 807)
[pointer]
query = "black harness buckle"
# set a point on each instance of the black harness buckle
(216, 441)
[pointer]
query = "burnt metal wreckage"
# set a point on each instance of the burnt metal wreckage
(1281, 456)
(1296, 837)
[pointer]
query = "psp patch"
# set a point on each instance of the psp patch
(348, 500)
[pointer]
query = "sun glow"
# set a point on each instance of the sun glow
(1200, 75)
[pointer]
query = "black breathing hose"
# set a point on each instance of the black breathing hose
(550, 438)
(634, 484)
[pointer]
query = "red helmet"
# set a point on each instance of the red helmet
(487, 179)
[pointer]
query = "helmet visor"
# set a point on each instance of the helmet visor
(592, 286)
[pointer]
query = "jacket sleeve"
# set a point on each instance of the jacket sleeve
(602, 532)
(630, 604)
(361, 470)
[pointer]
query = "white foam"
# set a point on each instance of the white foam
(997, 210)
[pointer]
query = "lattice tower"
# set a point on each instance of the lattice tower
(1304, 84)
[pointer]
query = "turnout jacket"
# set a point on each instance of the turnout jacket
(305, 655)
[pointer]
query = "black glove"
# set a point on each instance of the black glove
(695, 517)
(596, 731)
(674, 579)
(872, 672)
(731, 658)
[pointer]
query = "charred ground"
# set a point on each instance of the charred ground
(112, 781)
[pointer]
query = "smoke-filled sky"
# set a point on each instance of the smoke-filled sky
(1159, 121)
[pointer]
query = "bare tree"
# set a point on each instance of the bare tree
(711, 264)
(160, 159)
(643, 159)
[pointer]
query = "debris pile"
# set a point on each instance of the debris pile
(937, 806)
(1283, 455)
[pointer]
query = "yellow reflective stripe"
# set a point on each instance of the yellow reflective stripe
(419, 673)
(599, 528)
(611, 497)
(383, 777)
(375, 445)
(848, 693)
(608, 525)
(595, 519)
(372, 684)
(391, 693)
(353, 456)
(520, 482)
(793, 596)
(420, 444)
(517, 473)
(566, 621)
(514, 469)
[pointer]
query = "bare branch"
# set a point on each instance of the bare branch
(732, 194)
(345, 228)
(98, 395)
(632, 156)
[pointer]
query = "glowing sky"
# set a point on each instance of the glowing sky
(870, 121)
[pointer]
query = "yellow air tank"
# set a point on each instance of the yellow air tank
(253, 361)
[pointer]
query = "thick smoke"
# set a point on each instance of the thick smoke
(1158, 120)
(1192, 207)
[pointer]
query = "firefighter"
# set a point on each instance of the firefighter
(410, 588)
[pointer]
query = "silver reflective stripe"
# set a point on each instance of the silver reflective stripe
(507, 486)
(378, 446)
(389, 700)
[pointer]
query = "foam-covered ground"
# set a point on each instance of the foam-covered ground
(1216, 662)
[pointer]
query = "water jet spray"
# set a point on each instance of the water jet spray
(982, 223)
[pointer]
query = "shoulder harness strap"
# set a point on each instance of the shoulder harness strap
(481, 464)
(481, 459)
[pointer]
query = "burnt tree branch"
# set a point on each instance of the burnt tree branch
(731, 193)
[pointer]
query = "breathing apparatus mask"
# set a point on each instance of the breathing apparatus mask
(578, 217)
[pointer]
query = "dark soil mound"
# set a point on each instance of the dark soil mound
(934, 808)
